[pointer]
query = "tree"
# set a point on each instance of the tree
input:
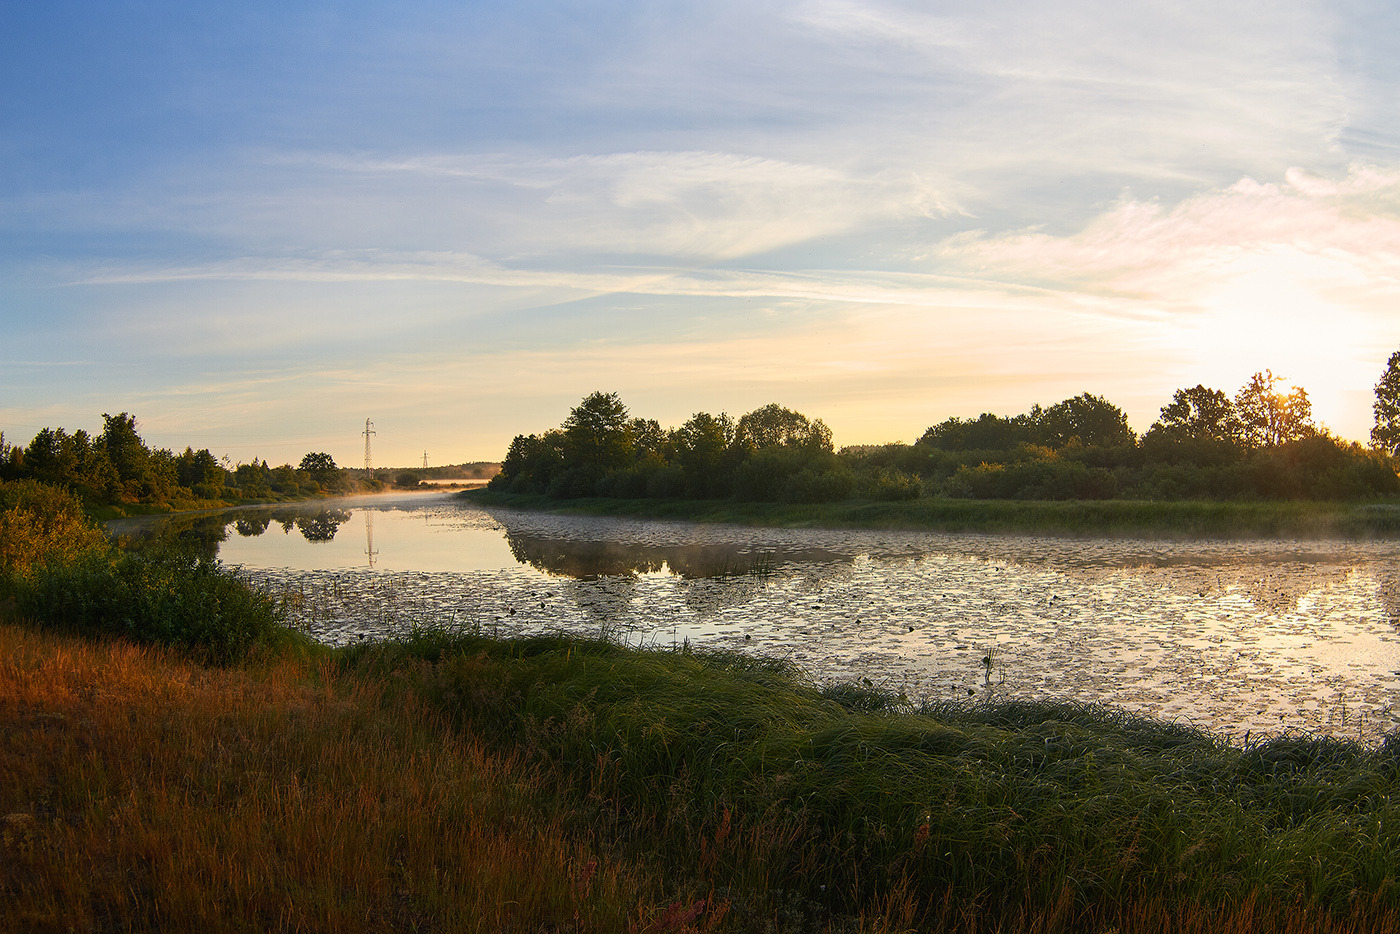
(1270, 418)
(775, 426)
(531, 463)
(252, 480)
(1386, 434)
(1086, 419)
(597, 435)
(201, 473)
(648, 438)
(987, 432)
(140, 474)
(1198, 414)
(321, 469)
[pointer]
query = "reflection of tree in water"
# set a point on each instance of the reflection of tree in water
(317, 525)
(1278, 589)
(705, 595)
(585, 560)
(321, 526)
(252, 524)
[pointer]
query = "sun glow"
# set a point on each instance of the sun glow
(1271, 317)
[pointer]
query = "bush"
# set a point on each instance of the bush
(815, 485)
(43, 524)
(170, 598)
(889, 485)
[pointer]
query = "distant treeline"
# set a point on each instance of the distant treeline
(116, 467)
(1260, 445)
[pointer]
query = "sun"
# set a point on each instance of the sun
(1269, 317)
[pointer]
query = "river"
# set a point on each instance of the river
(1232, 636)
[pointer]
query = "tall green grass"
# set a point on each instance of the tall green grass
(742, 780)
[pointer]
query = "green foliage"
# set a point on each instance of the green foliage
(1086, 420)
(774, 426)
(1198, 416)
(42, 524)
(200, 473)
(321, 469)
(1260, 445)
(597, 435)
(169, 597)
(1386, 433)
(772, 453)
(987, 432)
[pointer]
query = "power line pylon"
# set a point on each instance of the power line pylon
(369, 469)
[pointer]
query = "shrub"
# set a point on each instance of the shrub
(817, 485)
(42, 524)
(889, 485)
(169, 597)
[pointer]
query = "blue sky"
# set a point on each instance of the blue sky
(254, 225)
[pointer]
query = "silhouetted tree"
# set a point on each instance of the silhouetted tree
(987, 432)
(1386, 434)
(775, 426)
(1270, 418)
(1199, 414)
(1086, 419)
(648, 438)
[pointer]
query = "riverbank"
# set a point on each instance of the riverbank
(464, 783)
(1164, 519)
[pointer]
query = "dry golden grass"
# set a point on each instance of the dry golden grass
(143, 792)
(140, 791)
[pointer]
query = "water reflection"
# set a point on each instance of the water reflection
(589, 560)
(1232, 635)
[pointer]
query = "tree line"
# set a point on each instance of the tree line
(1260, 444)
(117, 467)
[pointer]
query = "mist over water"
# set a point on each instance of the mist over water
(1259, 636)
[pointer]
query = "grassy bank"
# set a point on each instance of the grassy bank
(173, 759)
(461, 783)
(1173, 519)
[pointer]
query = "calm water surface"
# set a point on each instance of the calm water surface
(1233, 636)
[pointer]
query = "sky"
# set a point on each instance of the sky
(255, 225)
